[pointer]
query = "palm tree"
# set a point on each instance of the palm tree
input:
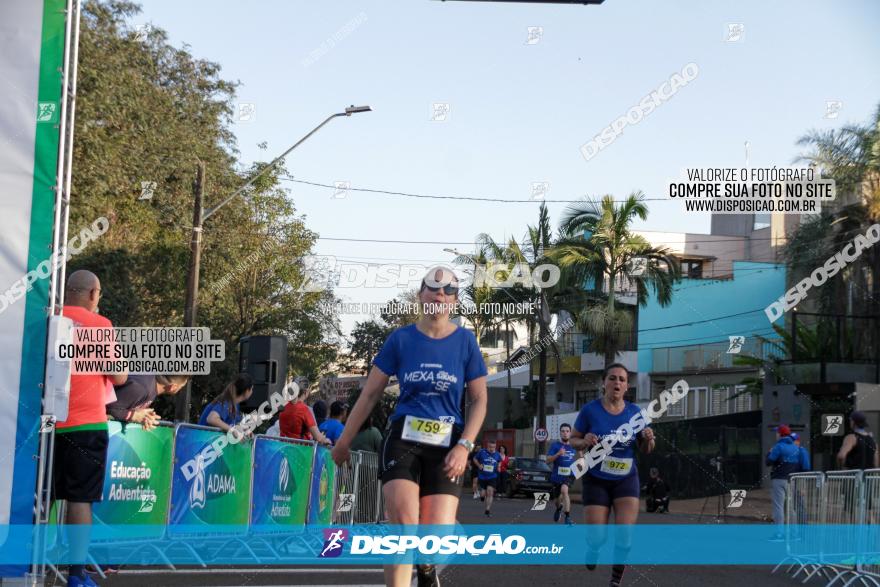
(477, 295)
(850, 156)
(528, 255)
(597, 247)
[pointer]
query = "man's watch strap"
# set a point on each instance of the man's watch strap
(466, 443)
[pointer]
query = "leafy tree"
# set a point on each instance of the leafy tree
(403, 310)
(383, 409)
(147, 113)
(813, 342)
(367, 340)
(851, 156)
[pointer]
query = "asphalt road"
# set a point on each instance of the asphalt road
(516, 511)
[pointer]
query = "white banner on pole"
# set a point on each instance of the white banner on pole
(32, 37)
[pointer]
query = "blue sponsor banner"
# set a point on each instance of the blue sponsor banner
(282, 481)
(211, 481)
(530, 544)
(321, 499)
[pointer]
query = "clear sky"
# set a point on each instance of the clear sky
(519, 111)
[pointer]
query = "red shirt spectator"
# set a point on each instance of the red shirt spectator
(295, 421)
(88, 393)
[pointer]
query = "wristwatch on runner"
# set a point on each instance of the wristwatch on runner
(466, 443)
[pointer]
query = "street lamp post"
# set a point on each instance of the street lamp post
(192, 282)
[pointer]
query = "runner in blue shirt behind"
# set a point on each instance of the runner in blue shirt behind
(561, 456)
(488, 461)
(614, 483)
(332, 427)
(425, 451)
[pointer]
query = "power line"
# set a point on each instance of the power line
(697, 341)
(465, 198)
(700, 321)
(408, 242)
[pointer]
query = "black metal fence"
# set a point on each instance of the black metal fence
(707, 456)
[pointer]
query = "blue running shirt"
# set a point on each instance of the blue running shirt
(230, 416)
(431, 372)
(489, 462)
(594, 418)
(565, 460)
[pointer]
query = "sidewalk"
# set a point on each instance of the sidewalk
(756, 507)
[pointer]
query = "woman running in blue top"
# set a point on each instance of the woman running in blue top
(613, 483)
(425, 451)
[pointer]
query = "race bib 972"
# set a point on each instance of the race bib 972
(614, 466)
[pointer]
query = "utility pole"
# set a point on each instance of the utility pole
(543, 331)
(199, 217)
(192, 283)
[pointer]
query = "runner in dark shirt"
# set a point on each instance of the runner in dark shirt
(859, 450)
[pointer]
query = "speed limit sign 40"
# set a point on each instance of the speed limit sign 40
(541, 434)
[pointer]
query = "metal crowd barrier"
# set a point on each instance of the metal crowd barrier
(369, 490)
(869, 565)
(833, 526)
(346, 496)
(359, 479)
(803, 507)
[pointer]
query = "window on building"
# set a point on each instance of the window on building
(643, 393)
(677, 409)
(720, 403)
(701, 405)
(692, 268)
(583, 397)
(744, 401)
(693, 359)
(761, 221)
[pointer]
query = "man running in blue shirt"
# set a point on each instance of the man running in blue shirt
(561, 456)
(487, 461)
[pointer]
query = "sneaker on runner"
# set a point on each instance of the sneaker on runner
(488, 514)
(568, 520)
(557, 513)
(427, 576)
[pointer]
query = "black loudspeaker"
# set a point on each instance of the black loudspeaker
(265, 359)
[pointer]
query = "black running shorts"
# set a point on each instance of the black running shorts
(79, 463)
(557, 487)
(420, 463)
(486, 483)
